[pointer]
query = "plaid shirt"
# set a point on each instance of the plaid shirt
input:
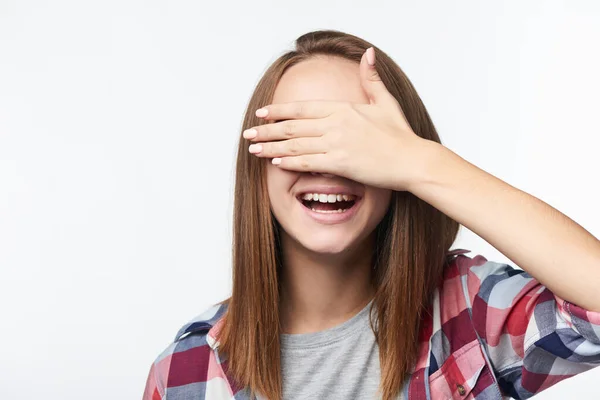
(493, 332)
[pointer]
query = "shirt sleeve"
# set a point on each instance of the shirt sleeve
(533, 338)
(153, 390)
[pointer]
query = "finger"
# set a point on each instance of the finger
(291, 147)
(299, 109)
(305, 163)
(371, 81)
(288, 129)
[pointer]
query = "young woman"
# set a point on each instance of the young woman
(346, 204)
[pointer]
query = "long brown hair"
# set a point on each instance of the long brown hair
(412, 241)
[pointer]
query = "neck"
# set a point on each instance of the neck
(320, 291)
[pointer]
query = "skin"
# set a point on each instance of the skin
(379, 148)
(326, 266)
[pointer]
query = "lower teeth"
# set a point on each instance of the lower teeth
(339, 210)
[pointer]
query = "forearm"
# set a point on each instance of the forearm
(550, 246)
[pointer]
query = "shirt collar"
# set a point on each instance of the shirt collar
(457, 252)
(213, 333)
(209, 321)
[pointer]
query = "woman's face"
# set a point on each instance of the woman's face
(324, 229)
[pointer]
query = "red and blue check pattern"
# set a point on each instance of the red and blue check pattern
(493, 332)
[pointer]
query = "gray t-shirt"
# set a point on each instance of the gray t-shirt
(337, 363)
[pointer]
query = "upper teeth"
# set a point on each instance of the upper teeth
(328, 198)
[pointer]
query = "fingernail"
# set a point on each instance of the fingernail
(371, 56)
(262, 112)
(276, 161)
(255, 148)
(250, 133)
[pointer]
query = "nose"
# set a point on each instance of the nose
(321, 173)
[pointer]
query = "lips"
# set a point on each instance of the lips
(330, 210)
(331, 213)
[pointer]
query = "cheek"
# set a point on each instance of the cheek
(279, 182)
(381, 202)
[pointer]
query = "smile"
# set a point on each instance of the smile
(329, 208)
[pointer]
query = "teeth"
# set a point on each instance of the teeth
(327, 198)
(339, 210)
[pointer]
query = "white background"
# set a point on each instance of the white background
(118, 127)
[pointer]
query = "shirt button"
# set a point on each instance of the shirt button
(461, 389)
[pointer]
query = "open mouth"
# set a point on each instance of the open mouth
(328, 204)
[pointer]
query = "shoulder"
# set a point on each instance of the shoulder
(475, 273)
(186, 360)
(474, 281)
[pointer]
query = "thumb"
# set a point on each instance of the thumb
(370, 79)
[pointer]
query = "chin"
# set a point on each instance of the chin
(326, 243)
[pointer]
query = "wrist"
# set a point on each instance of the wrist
(431, 157)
